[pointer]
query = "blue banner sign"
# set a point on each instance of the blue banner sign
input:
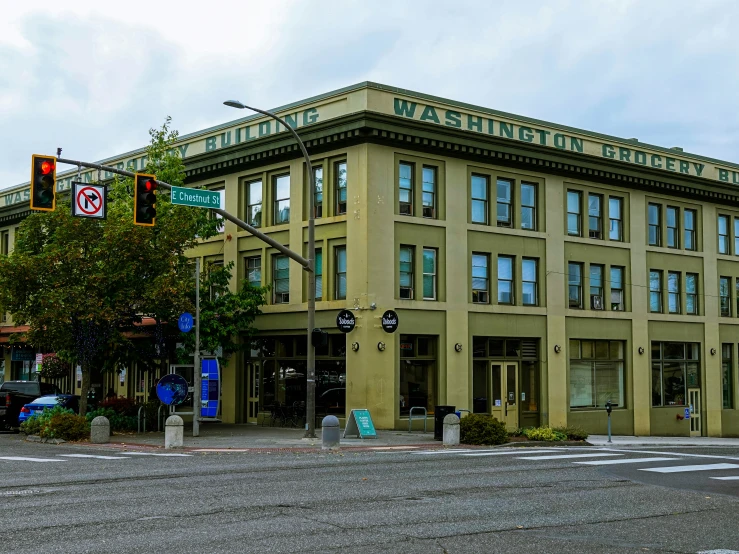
(185, 322)
(210, 393)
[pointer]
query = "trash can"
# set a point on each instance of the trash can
(440, 412)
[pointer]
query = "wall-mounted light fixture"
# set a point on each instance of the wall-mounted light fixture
(458, 347)
(713, 351)
(355, 346)
(380, 346)
(557, 348)
(641, 350)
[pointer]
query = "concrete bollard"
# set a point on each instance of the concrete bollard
(174, 432)
(100, 430)
(451, 430)
(330, 433)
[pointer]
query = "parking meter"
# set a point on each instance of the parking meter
(609, 408)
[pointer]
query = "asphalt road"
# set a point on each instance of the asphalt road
(366, 502)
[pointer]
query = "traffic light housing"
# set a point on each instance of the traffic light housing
(43, 183)
(144, 200)
(319, 337)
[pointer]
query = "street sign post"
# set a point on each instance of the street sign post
(89, 200)
(196, 198)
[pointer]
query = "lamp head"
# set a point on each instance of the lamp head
(234, 104)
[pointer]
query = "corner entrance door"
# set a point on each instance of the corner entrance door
(694, 399)
(252, 392)
(505, 391)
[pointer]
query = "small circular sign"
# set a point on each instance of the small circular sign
(172, 389)
(185, 322)
(345, 321)
(390, 321)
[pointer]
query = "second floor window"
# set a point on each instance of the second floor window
(341, 188)
(254, 203)
(505, 280)
(689, 238)
(655, 291)
(281, 280)
(596, 287)
(340, 272)
(617, 289)
(654, 220)
(429, 192)
(319, 274)
(254, 271)
(723, 234)
(673, 225)
(406, 272)
(595, 216)
(574, 206)
(479, 199)
(673, 292)
(429, 273)
(574, 280)
(616, 218)
(736, 235)
(405, 189)
(691, 294)
(281, 190)
(318, 192)
(480, 279)
(528, 206)
(724, 292)
(504, 202)
(529, 287)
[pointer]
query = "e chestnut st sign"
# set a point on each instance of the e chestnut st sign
(196, 198)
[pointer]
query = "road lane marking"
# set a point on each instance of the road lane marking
(24, 459)
(678, 469)
(730, 478)
(487, 453)
(96, 457)
(454, 451)
(629, 461)
(155, 454)
(568, 456)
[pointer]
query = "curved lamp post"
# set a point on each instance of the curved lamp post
(310, 403)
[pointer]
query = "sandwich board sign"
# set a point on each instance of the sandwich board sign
(359, 424)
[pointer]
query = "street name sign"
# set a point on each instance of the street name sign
(359, 424)
(196, 198)
(88, 200)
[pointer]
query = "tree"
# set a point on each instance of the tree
(83, 285)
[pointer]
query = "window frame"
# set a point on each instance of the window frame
(248, 269)
(673, 231)
(249, 219)
(480, 296)
(535, 282)
(577, 215)
(411, 250)
(673, 292)
(656, 226)
(577, 285)
(509, 223)
(318, 204)
(600, 289)
(683, 362)
(406, 208)
(656, 293)
(484, 200)
(621, 289)
(596, 217)
(338, 274)
(727, 248)
(689, 235)
(511, 260)
(341, 207)
(433, 276)
(429, 212)
(693, 295)
(595, 362)
(284, 297)
(617, 221)
(276, 220)
(727, 376)
(531, 207)
(724, 305)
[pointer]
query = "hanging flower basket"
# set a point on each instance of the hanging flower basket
(52, 367)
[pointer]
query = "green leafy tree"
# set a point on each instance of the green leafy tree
(83, 285)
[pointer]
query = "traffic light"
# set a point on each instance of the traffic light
(144, 200)
(43, 183)
(319, 337)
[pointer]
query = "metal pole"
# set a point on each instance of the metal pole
(609, 428)
(196, 381)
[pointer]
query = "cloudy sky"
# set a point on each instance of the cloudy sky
(93, 79)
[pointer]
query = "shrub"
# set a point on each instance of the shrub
(518, 432)
(35, 424)
(122, 406)
(69, 427)
(573, 433)
(482, 429)
(544, 434)
(118, 422)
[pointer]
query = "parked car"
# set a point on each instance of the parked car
(16, 394)
(69, 401)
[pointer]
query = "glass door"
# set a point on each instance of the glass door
(252, 392)
(694, 398)
(505, 391)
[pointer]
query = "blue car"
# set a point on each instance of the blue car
(42, 403)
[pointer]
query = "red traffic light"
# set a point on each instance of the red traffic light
(47, 167)
(150, 185)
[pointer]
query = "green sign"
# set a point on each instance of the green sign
(359, 424)
(197, 198)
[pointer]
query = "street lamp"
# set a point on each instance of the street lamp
(310, 403)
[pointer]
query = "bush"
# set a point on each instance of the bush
(35, 424)
(69, 427)
(518, 432)
(573, 433)
(121, 406)
(118, 422)
(482, 429)
(544, 434)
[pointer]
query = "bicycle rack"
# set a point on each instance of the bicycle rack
(161, 418)
(410, 418)
(138, 418)
(460, 410)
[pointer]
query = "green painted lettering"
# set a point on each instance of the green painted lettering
(238, 136)
(27, 194)
(624, 154)
(559, 141)
(525, 134)
(505, 130)
(225, 139)
(210, 144)
(543, 136)
(87, 177)
(684, 167)
(183, 149)
(723, 175)
(119, 165)
(609, 151)
(640, 158)
(247, 135)
(656, 161)
(473, 121)
(670, 163)
(310, 116)
(404, 108)
(265, 128)
(735, 177)
(291, 120)
(429, 114)
(132, 164)
(108, 175)
(698, 169)
(453, 119)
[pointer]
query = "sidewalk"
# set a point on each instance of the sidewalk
(602, 440)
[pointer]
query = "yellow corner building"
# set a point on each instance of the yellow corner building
(538, 271)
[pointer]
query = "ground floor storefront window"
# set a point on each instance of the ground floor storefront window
(675, 368)
(418, 373)
(727, 368)
(596, 373)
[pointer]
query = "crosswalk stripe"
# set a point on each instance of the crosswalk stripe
(567, 456)
(678, 469)
(730, 478)
(478, 453)
(453, 451)
(24, 459)
(155, 454)
(96, 457)
(629, 461)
